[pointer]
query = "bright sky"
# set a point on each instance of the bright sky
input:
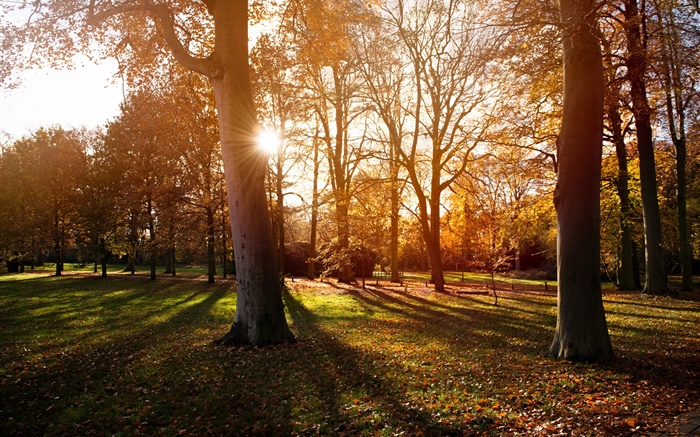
(84, 96)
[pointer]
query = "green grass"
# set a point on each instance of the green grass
(180, 270)
(480, 278)
(125, 355)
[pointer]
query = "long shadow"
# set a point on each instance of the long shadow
(657, 306)
(454, 322)
(104, 371)
(353, 370)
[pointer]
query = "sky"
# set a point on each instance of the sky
(85, 96)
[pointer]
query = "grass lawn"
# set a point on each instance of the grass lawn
(127, 356)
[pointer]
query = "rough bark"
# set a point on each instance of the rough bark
(656, 279)
(581, 331)
(259, 318)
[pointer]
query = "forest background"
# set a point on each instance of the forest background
(401, 135)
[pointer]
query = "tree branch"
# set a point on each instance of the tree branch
(204, 66)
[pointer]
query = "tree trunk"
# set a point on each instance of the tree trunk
(103, 257)
(259, 318)
(394, 243)
(686, 254)
(656, 279)
(131, 261)
(279, 210)
(581, 331)
(172, 257)
(436, 267)
(625, 274)
(345, 270)
(672, 75)
(57, 245)
(341, 179)
(169, 261)
(224, 243)
(311, 272)
(211, 255)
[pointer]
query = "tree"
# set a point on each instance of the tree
(627, 279)
(581, 331)
(328, 71)
(148, 28)
(98, 207)
(279, 109)
(637, 61)
(449, 69)
(385, 78)
(679, 35)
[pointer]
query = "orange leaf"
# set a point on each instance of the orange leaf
(630, 423)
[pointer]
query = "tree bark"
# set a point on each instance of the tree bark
(103, 257)
(656, 279)
(686, 253)
(581, 331)
(279, 210)
(57, 245)
(211, 254)
(259, 318)
(626, 279)
(311, 272)
(152, 239)
(394, 243)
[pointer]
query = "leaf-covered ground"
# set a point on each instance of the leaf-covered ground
(128, 356)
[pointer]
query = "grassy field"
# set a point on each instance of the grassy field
(128, 356)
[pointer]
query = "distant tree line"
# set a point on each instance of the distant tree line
(412, 135)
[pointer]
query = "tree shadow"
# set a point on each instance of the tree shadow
(111, 364)
(339, 368)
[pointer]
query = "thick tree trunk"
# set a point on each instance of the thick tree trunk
(581, 332)
(259, 318)
(656, 279)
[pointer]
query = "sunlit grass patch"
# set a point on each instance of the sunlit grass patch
(128, 355)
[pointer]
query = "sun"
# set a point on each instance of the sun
(268, 141)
